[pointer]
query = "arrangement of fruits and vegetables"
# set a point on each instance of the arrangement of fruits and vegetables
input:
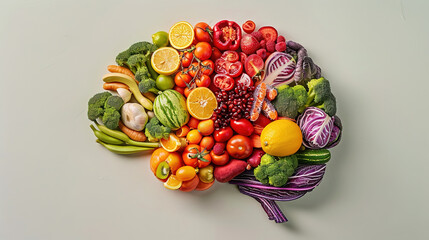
(226, 103)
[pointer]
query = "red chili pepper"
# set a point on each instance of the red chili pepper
(226, 35)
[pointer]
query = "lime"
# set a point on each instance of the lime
(164, 82)
(160, 39)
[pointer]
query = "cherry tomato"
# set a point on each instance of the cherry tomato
(223, 82)
(203, 32)
(215, 54)
(189, 153)
(245, 80)
(193, 123)
(194, 136)
(207, 67)
(186, 58)
(203, 81)
(203, 51)
(239, 147)
(231, 69)
(242, 126)
(179, 89)
(182, 78)
(194, 69)
(207, 157)
(230, 56)
(207, 143)
(219, 159)
(187, 91)
(185, 173)
(206, 127)
(249, 26)
(223, 134)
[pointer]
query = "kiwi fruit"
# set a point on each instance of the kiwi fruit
(163, 170)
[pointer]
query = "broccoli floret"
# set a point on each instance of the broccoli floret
(96, 105)
(155, 130)
(320, 95)
(142, 48)
(142, 73)
(122, 58)
(275, 171)
(115, 102)
(290, 100)
(148, 85)
(111, 117)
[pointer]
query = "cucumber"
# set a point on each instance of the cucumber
(313, 156)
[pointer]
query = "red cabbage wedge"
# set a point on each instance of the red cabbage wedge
(279, 69)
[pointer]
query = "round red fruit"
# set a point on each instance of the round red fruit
(249, 26)
(239, 147)
(203, 51)
(203, 32)
(223, 134)
(223, 82)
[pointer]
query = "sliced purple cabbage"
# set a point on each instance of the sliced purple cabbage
(306, 69)
(307, 176)
(279, 69)
(336, 133)
(316, 127)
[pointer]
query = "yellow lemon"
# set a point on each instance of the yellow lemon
(181, 35)
(281, 138)
(165, 60)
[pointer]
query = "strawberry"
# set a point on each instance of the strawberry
(257, 35)
(249, 44)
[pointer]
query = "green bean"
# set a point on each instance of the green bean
(105, 138)
(121, 149)
(122, 136)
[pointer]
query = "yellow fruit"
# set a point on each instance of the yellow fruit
(281, 138)
(181, 35)
(171, 144)
(173, 183)
(201, 103)
(165, 60)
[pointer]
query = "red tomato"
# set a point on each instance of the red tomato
(207, 67)
(239, 147)
(215, 54)
(223, 81)
(203, 81)
(242, 126)
(192, 156)
(187, 91)
(245, 80)
(186, 58)
(249, 26)
(230, 56)
(182, 78)
(223, 134)
(226, 67)
(194, 69)
(203, 32)
(179, 89)
(254, 66)
(203, 51)
(243, 58)
(219, 159)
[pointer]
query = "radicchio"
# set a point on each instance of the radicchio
(306, 69)
(279, 69)
(318, 129)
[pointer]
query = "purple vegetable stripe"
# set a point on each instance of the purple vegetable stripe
(316, 127)
(275, 195)
(307, 176)
(279, 69)
(272, 209)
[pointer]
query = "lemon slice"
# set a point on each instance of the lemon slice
(201, 103)
(171, 144)
(173, 183)
(181, 35)
(165, 60)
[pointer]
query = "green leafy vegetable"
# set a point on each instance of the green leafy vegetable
(290, 100)
(320, 96)
(155, 130)
(275, 171)
(105, 106)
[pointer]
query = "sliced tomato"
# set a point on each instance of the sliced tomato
(230, 56)
(231, 69)
(245, 80)
(223, 82)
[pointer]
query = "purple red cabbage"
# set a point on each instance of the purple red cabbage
(279, 69)
(306, 69)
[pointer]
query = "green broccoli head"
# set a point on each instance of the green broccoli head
(96, 105)
(318, 90)
(115, 102)
(122, 58)
(111, 117)
(275, 171)
(142, 48)
(142, 73)
(290, 100)
(148, 85)
(136, 62)
(329, 105)
(155, 130)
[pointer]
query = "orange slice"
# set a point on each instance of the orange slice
(171, 144)
(201, 103)
(165, 60)
(181, 35)
(173, 183)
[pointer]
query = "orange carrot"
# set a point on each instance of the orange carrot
(119, 69)
(269, 110)
(256, 141)
(113, 86)
(149, 95)
(134, 135)
(259, 96)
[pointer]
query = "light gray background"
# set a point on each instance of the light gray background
(57, 183)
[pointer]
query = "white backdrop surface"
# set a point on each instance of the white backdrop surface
(57, 183)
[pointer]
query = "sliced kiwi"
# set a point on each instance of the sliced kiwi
(163, 170)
